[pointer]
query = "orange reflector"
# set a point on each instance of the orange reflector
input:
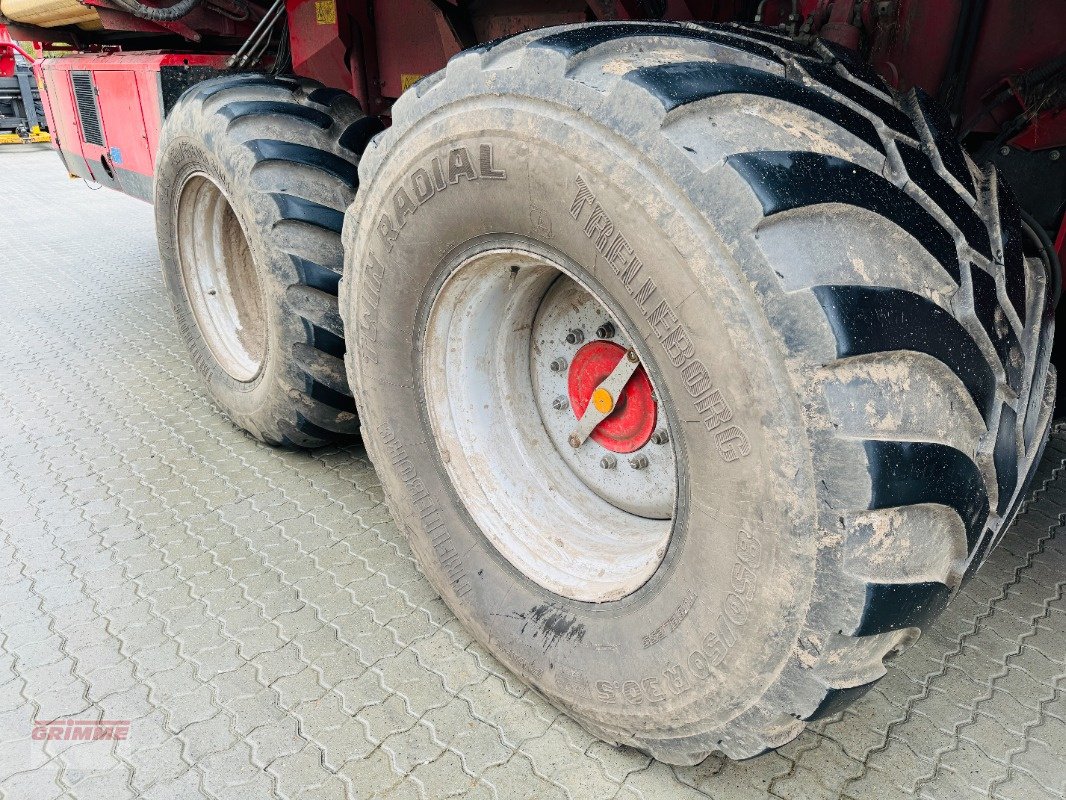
(602, 400)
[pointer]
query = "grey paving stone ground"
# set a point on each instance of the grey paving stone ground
(258, 618)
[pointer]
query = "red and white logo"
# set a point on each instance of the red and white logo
(84, 730)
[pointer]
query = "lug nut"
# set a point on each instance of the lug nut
(560, 403)
(574, 441)
(638, 462)
(631, 354)
(605, 331)
(557, 365)
(575, 336)
(608, 462)
(660, 437)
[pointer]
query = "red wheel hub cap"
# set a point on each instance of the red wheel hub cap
(630, 425)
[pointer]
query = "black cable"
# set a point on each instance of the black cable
(281, 56)
(971, 15)
(228, 14)
(1051, 258)
(172, 13)
(255, 42)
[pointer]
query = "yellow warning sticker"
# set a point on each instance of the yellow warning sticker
(407, 80)
(326, 12)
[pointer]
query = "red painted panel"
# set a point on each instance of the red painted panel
(319, 35)
(413, 40)
(912, 48)
(1045, 132)
(1016, 36)
(123, 120)
(58, 101)
(128, 95)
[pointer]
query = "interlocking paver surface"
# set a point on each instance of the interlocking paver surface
(258, 617)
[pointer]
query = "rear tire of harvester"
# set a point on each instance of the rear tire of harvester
(845, 351)
(253, 178)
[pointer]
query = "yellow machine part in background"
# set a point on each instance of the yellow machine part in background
(51, 13)
(37, 136)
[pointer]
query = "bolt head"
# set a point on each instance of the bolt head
(560, 403)
(638, 462)
(608, 462)
(605, 331)
(557, 365)
(631, 354)
(660, 437)
(575, 336)
(1004, 151)
(1055, 155)
(574, 441)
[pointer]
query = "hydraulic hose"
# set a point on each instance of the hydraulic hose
(168, 14)
(1039, 236)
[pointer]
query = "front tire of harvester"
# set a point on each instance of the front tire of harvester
(837, 387)
(253, 177)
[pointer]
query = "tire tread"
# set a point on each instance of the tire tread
(314, 403)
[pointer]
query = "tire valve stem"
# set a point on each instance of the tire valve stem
(660, 437)
(560, 403)
(557, 365)
(605, 331)
(575, 336)
(608, 462)
(638, 462)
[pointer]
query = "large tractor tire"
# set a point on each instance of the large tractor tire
(253, 177)
(699, 369)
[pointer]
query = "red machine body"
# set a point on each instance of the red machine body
(8, 49)
(106, 111)
(997, 65)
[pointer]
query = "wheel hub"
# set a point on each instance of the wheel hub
(220, 279)
(632, 416)
(547, 424)
(567, 330)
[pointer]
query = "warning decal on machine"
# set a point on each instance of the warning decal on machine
(325, 12)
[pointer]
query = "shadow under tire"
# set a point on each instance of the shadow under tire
(253, 178)
(845, 344)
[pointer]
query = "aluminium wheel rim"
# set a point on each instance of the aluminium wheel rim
(220, 278)
(591, 523)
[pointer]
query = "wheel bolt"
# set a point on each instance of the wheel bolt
(574, 441)
(631, 354)
(608, 462)
(605, 331)
(638, 462)
(558, 365)
(660, 437)
(560, 403)
(575, 336)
